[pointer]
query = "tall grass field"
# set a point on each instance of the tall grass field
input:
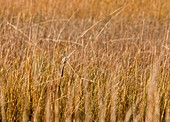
(84, 61)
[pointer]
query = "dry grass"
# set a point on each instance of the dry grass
(85, 60)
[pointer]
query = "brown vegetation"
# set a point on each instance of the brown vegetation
(85, 60)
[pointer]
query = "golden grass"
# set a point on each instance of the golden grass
(88, 60)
